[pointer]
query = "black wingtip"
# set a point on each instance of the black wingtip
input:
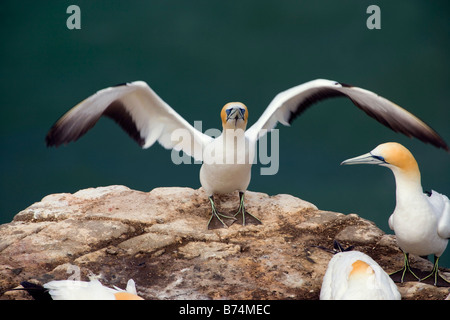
(339, 248)
(37, 291)
(438, 142)
(49, 141)
(446, 148)
(121, 84)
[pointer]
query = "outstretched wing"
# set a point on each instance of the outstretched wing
(289, 104)
(139, 111)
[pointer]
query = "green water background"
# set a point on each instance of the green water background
(198, 55)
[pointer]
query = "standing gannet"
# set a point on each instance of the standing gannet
(147, 118)
(353, 275)
(421, 221)
(80, 290)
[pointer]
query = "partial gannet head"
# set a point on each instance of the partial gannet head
(360, 269)
(392, 155)
(234, 116)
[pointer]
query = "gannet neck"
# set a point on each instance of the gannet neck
(405, 168)
(407, 176)
(408, 187)
(407, 179)
(231, 133)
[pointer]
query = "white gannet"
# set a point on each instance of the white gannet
(80, 290)
(353, 275)
(421, 221)
(147, 118)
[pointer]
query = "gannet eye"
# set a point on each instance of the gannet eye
(242, 111)
(228, 112)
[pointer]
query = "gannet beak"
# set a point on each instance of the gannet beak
(367, 158)
(235, 113)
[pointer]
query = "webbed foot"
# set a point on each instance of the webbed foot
(243, 217)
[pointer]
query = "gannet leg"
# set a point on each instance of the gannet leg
(406, 268)
(243, 216)
(436, 276)
(218, 220)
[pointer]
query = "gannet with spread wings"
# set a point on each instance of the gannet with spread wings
(147, 119)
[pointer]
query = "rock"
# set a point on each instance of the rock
(159, 239)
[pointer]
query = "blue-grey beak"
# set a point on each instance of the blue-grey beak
(235, 113)
(367, 158)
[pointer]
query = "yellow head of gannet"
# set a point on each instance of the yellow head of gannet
(353, 275)
(234, 116)
(392, 155)
(421, 222)
(360, 269)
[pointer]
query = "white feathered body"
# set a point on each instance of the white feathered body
(421, 223)
(226, 164)
(85, 290)
(339, 283)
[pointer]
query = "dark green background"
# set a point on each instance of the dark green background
(198, 55)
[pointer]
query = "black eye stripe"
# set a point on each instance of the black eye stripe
(230, 113)
(379, 158)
